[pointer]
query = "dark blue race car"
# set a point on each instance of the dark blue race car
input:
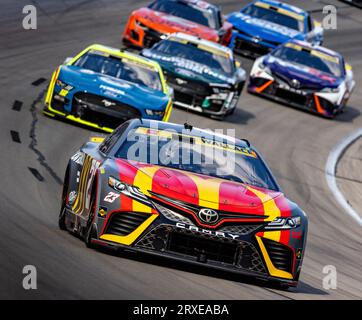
(264, 24)
(305, 76)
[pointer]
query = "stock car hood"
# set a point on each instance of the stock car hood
(195, 188)
(263, 29)
(308, 77)
(168, 24)
(117, 89)
(188, 69)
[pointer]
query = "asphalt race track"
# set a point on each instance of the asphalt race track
(35, 149)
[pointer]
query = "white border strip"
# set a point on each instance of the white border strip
(330, 172)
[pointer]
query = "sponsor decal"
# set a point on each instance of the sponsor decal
(268, 25)
(188, 65)
(111, 197)
(72, 196)
(103, 211)
(298, 253)
(220, 234)
(78, 158)
(113, 92)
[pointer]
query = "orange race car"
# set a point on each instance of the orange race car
(148, 25)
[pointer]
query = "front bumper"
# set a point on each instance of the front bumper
(308, 100)
(249, 253)
(90, 110)
(201, 98)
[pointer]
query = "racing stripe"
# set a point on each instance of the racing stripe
(79, 201)
(270, 209)
(143, 180)
(208, 191)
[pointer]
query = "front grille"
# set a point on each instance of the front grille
(151, 37)
(58, 104)
(280, 255)
(291, 96)
(242, 229)
(92, 108)
(123, 223)
(241, 45)
(196, 246)
(183, 98)
(203, 247)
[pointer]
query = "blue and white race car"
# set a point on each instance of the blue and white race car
(262, 25)
(305, 76)
(102, 87)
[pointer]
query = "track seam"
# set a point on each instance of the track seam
(33, 141)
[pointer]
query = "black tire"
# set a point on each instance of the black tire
(90, 231)
(61, 219)
(62, 213)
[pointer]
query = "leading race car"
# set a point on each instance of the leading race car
(305, 76)
(204, 75)
(148, 25)
(102, 87)
(264, 24)
(186, 194)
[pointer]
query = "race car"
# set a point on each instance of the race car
(309, 77)
(204, 75)
(264, 24)
(149, 25)
(187, 194)
(102, 87)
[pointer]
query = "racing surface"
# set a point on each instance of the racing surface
(34, 156)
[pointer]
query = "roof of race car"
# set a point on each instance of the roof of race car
(283, 6)
(119, 53)
(189, 130)
(316, 48)
(197, 40)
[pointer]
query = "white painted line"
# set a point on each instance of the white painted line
(330, 172)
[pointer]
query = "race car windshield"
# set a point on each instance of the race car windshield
(193, 154)
(323, 63)
(120, 68)
(216, 61)
(187, 11)
(274, 17)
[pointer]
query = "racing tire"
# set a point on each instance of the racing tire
(90, 231)
(62, 213)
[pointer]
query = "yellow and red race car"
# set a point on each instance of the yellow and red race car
(186, 194)
(148, 25)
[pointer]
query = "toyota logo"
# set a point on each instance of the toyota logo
(208, 215)
(295, 83)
